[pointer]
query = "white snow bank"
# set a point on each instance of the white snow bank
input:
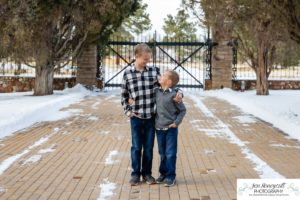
(21, 110)
(281, 108)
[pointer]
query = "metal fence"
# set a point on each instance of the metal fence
(9, 68)
(186, 57)
(245, 72)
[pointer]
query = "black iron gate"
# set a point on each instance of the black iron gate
(191, 59)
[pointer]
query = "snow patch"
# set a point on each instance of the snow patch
(48, 150)
(195, 121)
(103, 132)
(32, 159)
(68, 123)
(284, 146)
(2, 190)
(9, 161)
(75, 111)
(93, 118)
(209, 152)
(109, 97)
(106, 189)
(66, 133)
(108, 160)
(95, 106)
(211, 132)
(38, 157)
(246, 119)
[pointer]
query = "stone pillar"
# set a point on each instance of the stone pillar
(87, 66)
(221, 69)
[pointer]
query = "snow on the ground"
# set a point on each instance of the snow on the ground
(109, 160)
(93, 118)
(2, 190)
(209, 152)
(284, 146)
(95, 105)
(281, 108)
(263, 169)
(4, 165)
(32, 159)
(39, 156)
(21, 110)
(103, 132)
(245, 119)
(106, 189)
(48, 150)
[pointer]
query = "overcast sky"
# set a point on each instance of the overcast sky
(159, 9)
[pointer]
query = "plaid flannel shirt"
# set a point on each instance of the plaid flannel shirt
(139, 86)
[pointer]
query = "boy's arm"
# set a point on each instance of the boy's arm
(125, 96)
(181, 113)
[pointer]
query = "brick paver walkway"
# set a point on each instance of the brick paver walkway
(93, 148)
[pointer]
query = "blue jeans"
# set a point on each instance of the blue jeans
(167, 148)
(142, 137)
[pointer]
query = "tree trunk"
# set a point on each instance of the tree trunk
(262, 86)
(43, 80)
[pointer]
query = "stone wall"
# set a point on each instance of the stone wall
(274, 85)
(24, 84)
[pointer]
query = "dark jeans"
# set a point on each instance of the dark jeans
(142, 137)
(167, 148)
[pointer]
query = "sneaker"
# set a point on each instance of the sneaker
(149, 179)
(169, 182)
(134, 180)
(160, 179)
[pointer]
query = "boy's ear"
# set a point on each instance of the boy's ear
(137, 55)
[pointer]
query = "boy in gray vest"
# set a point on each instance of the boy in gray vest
(169, 116)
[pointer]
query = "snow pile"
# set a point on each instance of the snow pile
(106, 189)
(281, 108)
(21, 110)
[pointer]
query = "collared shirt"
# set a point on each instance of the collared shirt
(139, 86)
(167, 90)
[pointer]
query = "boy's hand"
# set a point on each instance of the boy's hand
(132, 114)
(173, 125)
(178, 98)
(130, 101)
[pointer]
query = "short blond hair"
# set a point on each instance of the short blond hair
(142, 48)
(173, 76)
